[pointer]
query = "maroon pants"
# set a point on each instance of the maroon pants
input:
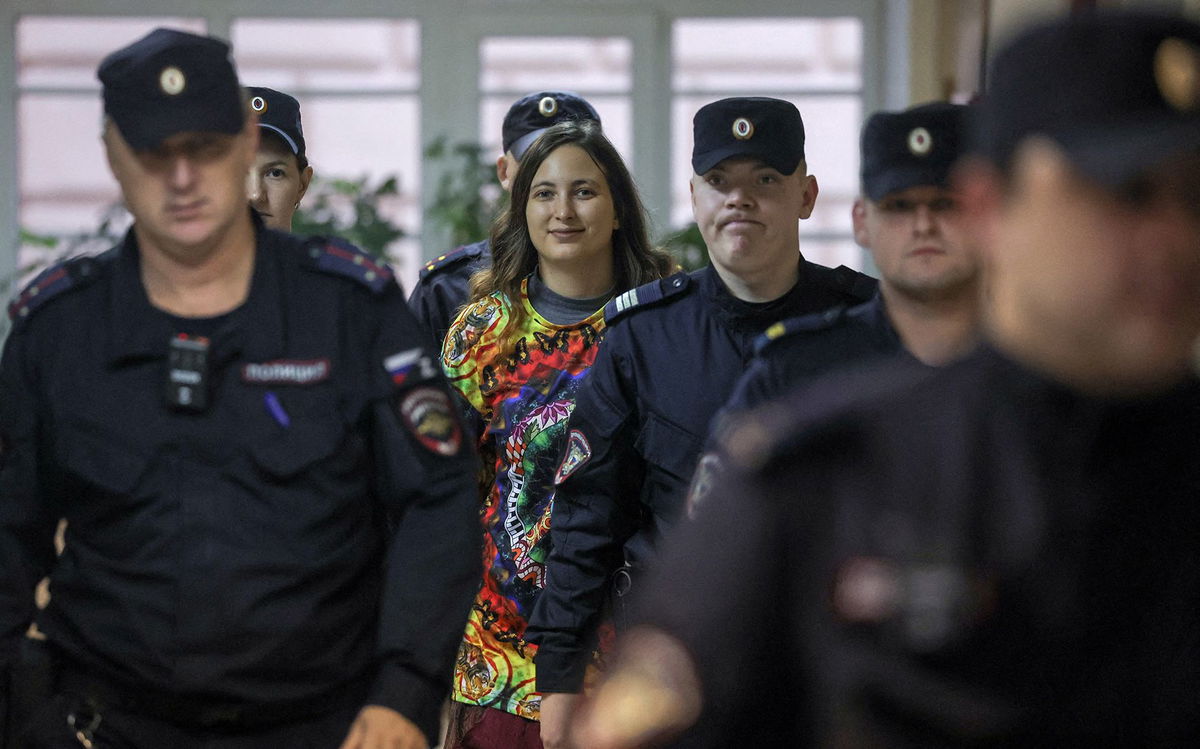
(473, 727)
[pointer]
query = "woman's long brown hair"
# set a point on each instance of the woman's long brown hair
(635, 260)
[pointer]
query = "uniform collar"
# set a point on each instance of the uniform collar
(753, 317)
(874, 313)
(256, 329)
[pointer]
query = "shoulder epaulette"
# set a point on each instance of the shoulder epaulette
(337, 256)
(50, 283)
(466, 253)
(792, 326)
(646, 295)
(854, 284)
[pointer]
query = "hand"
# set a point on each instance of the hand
(557, 712)
(378, 727)
(651, 695)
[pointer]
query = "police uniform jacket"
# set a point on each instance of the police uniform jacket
(269, 549)
(444, 285)
(970, 556)
(796, 351)
(672, 352)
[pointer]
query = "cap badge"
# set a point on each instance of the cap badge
(547, 106)
(258, 104)
(172, 81)
(920, 142)
(1177, 73)
(743, 129)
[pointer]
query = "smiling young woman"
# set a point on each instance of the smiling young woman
(573, 236)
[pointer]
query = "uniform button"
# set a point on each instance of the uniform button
(33, 291)
(24, 312)
(358, 259)
(314, 252)
(370, 275)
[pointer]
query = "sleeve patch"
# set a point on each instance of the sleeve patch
(578, 453)
(409, 367)
(429, 416)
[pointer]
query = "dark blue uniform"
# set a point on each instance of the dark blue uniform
(444, 286)
(262, 558)
(791, 354)
(795, 351)
(1017, 567)
(672, 351)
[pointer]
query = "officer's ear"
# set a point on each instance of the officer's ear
(858, 219)
(506, 170)
(305, 180)
(808, 198)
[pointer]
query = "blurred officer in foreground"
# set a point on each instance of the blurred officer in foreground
(927, 310)
(673, 350)
(270, 512)
(444, 283)
(1001, 552)
(281, 172)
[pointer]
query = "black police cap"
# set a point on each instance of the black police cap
(279, 113)
(1118, 91)
(171, 82)
(916, 147)
(530, 115)
(770, 129)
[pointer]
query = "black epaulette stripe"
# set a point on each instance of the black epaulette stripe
(855, 283)
(645, 295)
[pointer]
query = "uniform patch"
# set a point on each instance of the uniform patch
(430, 417)
(287, 372)
(578, 453)
(410, 366)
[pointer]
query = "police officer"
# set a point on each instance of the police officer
(281, 173)
(1001, 552)
(672, 352)
(271, 534)
(908, 218)
(927, 308)
(444, 283)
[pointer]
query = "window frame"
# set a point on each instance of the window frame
(450, 35)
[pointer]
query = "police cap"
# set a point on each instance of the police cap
(1118, 91)
(171, 82)
(770, 129)
(279, 113)
(530, 115)
(912, 148)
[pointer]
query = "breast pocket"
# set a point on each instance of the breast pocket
(669, 447)
(309, 443)
(98, 460)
